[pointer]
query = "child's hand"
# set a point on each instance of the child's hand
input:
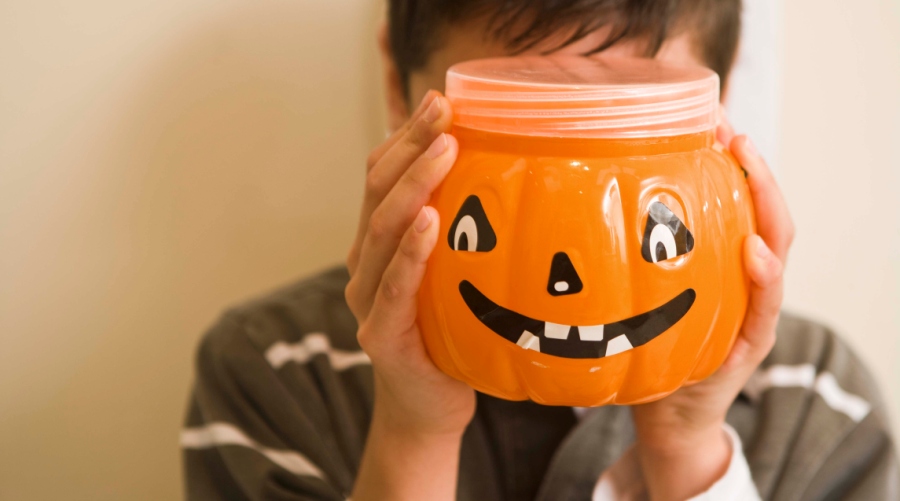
(420, 412)
(397, 233)
(682, 446)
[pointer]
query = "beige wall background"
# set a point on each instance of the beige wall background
(162, 160)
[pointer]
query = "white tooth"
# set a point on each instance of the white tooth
(529, 341)
(556, 331)
(590, 332)
(618, 345)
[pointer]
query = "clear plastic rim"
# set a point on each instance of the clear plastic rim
(583, 97)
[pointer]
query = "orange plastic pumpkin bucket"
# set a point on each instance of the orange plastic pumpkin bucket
(592, 232)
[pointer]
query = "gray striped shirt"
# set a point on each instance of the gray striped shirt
(283, 398)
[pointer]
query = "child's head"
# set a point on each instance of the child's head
(423, 38)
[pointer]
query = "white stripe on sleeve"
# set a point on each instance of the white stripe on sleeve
(311, 345)
(219, 434)
(839, 400)
(804, 376)
(780, 376)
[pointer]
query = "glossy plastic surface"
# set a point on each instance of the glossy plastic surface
(636, 242)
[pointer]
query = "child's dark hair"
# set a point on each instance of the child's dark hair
(416, 26)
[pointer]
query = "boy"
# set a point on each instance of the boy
(286, 406)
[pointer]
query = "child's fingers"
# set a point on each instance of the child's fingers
(766, 292)
(382, 148)
(396, 213)
(433, 122)
(757, 334)
(773, 219)
(724, 132)
(394, 309)
(392, 159)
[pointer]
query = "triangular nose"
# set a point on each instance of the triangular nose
(564, 280)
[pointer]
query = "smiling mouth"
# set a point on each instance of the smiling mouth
(576, 341)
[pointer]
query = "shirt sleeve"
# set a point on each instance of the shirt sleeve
(623, 481)
(820, 430)
(271, 422)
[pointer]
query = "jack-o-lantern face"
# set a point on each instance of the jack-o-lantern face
(586, 281)
(665, 238)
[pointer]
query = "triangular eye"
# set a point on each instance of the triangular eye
(665, 236)
(471, 231)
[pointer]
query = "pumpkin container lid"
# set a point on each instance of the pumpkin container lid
(588, 97)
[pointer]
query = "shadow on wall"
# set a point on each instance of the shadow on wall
(218, 165)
